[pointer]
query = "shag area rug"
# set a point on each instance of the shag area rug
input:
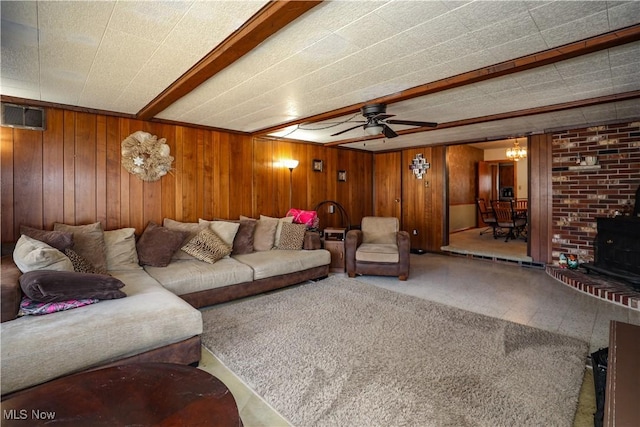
(341, 352)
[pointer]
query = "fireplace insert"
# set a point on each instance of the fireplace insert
(617, 249)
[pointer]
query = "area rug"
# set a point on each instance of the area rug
(341, 352)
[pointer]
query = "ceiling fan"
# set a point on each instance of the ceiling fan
(377, 122)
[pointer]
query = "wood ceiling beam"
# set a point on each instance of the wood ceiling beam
(266, 22)
(539, 59)
(508, 115)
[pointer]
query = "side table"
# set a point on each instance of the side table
(333, 241)
(144, 394)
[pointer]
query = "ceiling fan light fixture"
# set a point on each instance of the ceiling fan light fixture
(373, 129)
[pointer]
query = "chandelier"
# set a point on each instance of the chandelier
(516, 152)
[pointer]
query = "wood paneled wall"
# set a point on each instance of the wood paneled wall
(72, 173)
(540, 230)
(423, 200)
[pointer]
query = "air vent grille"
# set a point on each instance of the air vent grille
(23, 117)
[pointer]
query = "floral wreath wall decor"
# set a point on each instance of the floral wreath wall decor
(419, 166)
(146, 156)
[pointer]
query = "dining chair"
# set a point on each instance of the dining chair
(487, 216)
(507, 219)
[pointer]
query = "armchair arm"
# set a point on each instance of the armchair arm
(404, 248)
(352, 241)
(311, 240)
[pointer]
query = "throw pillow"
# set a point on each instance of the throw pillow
(226, 230)
(264, 234)
(292, 236)
(88, 241)
(207, 246)
(157, 245)
(80, 263)
(120, 248)
(243, 242)
(56, 286)
(286, 219)
(35, 308)
(57, 239)
(190, 228)
(31, 254)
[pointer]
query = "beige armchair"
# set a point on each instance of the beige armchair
(379, 248)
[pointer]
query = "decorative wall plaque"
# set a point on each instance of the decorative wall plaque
(419, 166)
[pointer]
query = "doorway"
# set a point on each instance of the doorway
(482, 170)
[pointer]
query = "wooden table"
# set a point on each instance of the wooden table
(146, 394)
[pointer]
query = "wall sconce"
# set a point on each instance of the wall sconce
(291, 165)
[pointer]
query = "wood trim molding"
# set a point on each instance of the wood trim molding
(269, 20)
(539, 59)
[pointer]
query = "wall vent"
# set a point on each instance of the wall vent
(23, 117)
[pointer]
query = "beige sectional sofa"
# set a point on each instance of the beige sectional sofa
(158, 320)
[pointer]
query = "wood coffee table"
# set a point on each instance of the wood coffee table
(146, 394)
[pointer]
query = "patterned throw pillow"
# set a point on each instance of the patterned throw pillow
(292, 236)
(207, 246)
(80, 263)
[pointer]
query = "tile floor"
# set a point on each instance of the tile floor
(511, 292)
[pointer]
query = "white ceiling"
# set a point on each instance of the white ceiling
(119, 55)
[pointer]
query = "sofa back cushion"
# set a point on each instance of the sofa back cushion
(120, 249)
(88, 241)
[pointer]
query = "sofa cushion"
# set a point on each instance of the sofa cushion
(187, 276)
(157, 245)
(31, 254)
(286, 219)
(379, 229)
(207, 246)
(243, 242)
(226, 230)
(58, 239)
(88, 241)
(36, 349)
(120, 248)
(190, 228)
(80, 263)
(277, 262)
(292, 236)
(263, 235)
(49, 286)
(373, 252)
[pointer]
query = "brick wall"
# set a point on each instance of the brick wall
(583, 193)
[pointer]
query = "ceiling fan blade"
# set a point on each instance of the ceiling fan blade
(346, 130)
(412, 123)
(388, 132)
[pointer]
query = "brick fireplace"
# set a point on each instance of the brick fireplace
(582, 192)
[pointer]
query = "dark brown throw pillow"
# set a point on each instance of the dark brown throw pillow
(52, 286)
(157, 245)
(243, 242)
(60, 240)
